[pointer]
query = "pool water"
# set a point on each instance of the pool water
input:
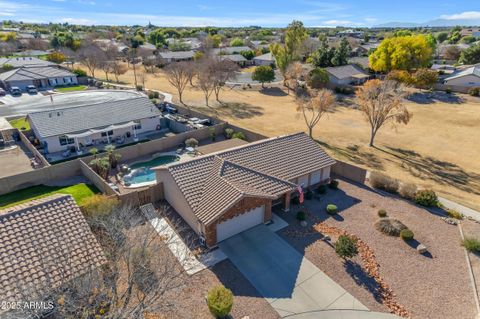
(142, 172)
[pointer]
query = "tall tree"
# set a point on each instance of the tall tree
(314, 106)
(322, 58)
(223, 71)
(382, 102)
(178, 75)
(91, 56)
(340, 57)
(471, 55)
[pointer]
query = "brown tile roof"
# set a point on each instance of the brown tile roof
(43, 244)
(211, 184)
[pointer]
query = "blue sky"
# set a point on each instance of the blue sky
(239, 13)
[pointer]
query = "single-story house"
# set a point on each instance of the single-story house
(194, 43)
(364, 49)
(44, 243)
(176, 56)
(224, 193)
(361, 61)
(467, 78)
(259, 44)
(236, 58)
(25, 62)
(110, 122)
(264, 59)
(349, 74)
(230, 50)
(40, 77)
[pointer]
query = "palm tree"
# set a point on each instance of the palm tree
(112, 156)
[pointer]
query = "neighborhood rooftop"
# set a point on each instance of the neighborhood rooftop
(58, 121)
(474, 70)
(24, 62)
(346, 71)
(34, 73)
(43, 244)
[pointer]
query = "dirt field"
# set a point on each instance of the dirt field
(438, 148)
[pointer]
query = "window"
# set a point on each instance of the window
(65, 140)
(104, 134)
(138, 126)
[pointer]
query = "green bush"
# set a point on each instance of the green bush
(408, 190)
(406, 234)
(474, 91)
(239, 135)
(220, 301)
(454, 214)
(191, 142)
(382, 213)
(228, 132)
(381, 181)
(332, 209)
(390, 226)
(471, 244)
(346, 247)
(301, 215)
(79, 72)
(321, 189)
(309, 195)
(333, 184)
(426, 198)
(139, 88)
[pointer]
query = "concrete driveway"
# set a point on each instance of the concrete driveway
(289, 282)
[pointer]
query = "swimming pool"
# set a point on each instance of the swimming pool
(141, 173)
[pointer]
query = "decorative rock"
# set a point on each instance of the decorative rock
(303, 223)
(450, 221)
(421, 248)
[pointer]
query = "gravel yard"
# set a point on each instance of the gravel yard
(434, 285)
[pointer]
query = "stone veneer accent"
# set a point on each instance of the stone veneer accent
(240, 208)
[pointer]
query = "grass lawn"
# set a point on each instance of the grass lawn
(79, 192)
(19, 123)
(71, 88)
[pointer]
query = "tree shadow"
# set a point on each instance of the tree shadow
(435, 97)
(273, 91)
(363, 279)
(353, 153)
(239, 110)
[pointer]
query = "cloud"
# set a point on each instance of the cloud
(338, 22)
(6, 14)
(78, 21)
(467, 15)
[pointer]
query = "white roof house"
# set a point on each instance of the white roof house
(264, 59)
(467, 78)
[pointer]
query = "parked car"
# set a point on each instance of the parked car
(32, 89)
(15, 91)
(2, 92)
(171, 109)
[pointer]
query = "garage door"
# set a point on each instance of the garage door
(240, 223)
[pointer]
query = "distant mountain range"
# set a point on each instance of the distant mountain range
(431, 23)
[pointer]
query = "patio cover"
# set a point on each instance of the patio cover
(105, 129)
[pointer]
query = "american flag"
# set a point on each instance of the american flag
(300, 191)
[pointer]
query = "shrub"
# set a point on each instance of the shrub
(80, 72)
(471, 244)
(408, 190)
(454, 214)
(406, 234)
(191, 142)
(99, 205)
(239, 135)
(474, 91)
(346, 247)
(156, 94)
(382, 213)
(333, 184)
(295, 201)
(448, 90)
(150, 95)
(309, 195)
(139, 88)
(212, 133)
(332, 209)
(220, 301)
(381, 181)
(301, 215)
(321, 189)
(426, 198)
(228, 132)
(390, 226)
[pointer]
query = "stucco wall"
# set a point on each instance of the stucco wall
(465, 81)
(349, 171)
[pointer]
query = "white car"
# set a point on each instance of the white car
(32, 89)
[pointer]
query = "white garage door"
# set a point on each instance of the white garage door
(315, 177)
(240, 223)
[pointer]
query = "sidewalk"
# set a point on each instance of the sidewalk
(467, 212)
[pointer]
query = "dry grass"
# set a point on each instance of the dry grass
(437, 149)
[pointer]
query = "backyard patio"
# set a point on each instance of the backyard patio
(435, 284)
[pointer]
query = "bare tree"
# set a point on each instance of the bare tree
(293, 74)
(7, 48)
(382, 102)
(223, 71)
(91, 56)
(206, 80)
(314, 105)
(192, 71)
(178, 74)
(118, 68)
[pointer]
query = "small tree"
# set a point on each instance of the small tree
(263, 74)
(56, 57)
(237, 42)
(118, 69)
(314, 107)
(113, 157)
(101, 166)
(346, 247)
(425, 78)
(317, 78)
(191, 142)
(382, 102)
(178, 74)
(220, 301)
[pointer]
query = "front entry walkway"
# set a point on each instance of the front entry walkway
(289, 282)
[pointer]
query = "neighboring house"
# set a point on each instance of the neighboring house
(104, 123)
(363, 49)
(148, 47)
(224, 193)
(347, 75)
(230, 50)
(104, 43)
(176, 56)
(33, 53)
(236, 58)
(259, 44)
(25, 62)
(194, 43)
(44, 243)
(474, 32)
(40, 77)
(361, 61)
(467, 78)
(264, 59)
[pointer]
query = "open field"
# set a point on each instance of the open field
(79, 192)
(438, 148)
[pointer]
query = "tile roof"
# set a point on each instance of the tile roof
(231, 50)
(81, 118)
(177, 54)
(265, 57)
(25, 62)
(213, 183)
(35, 73)
(345, 71)
(43, 244)
(233, 57)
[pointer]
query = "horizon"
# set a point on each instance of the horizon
(345, 13)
